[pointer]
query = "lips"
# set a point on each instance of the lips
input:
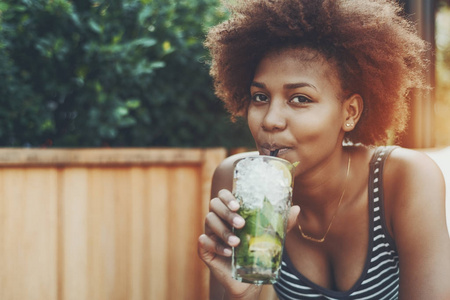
(266, 148)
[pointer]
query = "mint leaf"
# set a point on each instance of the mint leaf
(267, 209)
(277, 222)
(274, 221)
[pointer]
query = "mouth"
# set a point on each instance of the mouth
(267, 149)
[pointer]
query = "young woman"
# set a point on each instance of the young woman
(326, 84)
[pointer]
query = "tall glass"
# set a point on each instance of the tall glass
(263, 186)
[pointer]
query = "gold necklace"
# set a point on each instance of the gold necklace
(304, 235)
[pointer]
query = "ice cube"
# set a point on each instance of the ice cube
(256, 179)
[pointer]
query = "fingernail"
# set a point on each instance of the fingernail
(233, 240)
(233, 205)
(202, 237)
(227, 252)
(238, 221)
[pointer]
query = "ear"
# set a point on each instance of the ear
(352, 109)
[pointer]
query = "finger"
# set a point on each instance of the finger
(210, 245)
(228, 199)
(218, 207)
(293, 215)
(215, 226)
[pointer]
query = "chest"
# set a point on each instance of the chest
(339, 261)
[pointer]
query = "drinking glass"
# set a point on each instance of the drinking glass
(263, 186)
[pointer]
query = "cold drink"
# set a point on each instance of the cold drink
(263, 186)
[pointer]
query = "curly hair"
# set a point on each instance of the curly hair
(376, 50)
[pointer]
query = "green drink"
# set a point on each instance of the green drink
(263, 187)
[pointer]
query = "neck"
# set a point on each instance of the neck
(318, 192)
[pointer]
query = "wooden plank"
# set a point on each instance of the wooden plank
(99, 157)
(123, 203)
(159, 212)
(183, 230)
(74, 234)
(28, 234)
(101, 241)
(138, 229)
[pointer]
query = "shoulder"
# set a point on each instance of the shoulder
(412, 169)
(414, 189)
(223, 175)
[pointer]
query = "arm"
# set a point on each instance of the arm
(415, 199)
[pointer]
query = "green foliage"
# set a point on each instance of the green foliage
(110, 73)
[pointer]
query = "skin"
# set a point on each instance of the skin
(298, 107)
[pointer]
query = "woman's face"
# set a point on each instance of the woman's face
(296, 107)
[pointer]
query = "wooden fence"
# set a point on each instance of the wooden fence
(98, 224)
(110, 224)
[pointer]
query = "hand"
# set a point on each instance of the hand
(214, 247)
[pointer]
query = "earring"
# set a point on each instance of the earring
(349, 124)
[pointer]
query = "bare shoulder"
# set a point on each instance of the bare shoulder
(223, 175)
(413, 169)
(414, 192)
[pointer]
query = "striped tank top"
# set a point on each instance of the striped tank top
(380, 277)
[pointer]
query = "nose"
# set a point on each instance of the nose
(274, 119)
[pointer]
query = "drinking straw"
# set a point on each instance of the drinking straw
(274, 153)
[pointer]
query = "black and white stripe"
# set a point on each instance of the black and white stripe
(380, 277)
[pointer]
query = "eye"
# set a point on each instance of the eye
(300, 99)
(260, 98)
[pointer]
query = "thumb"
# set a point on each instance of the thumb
(293, 215)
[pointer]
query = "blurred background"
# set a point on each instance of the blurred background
(109, 136)
(134, 73)
(121, 73)
(442, 62)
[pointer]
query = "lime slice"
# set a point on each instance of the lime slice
(286, 172)
(265, 243)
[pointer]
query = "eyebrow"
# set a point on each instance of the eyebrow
(291, 86)
(258, 85)
(288, 86)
